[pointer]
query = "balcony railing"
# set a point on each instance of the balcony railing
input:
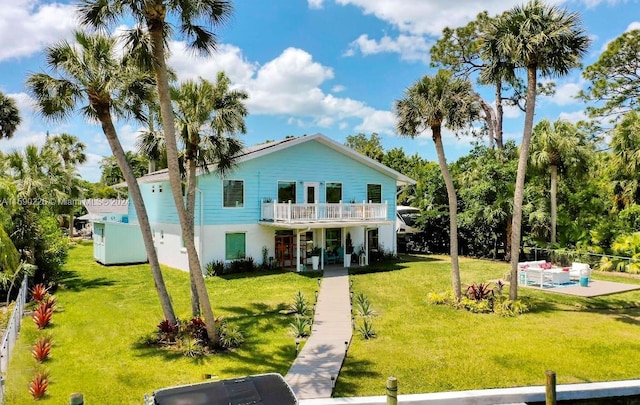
(334, 212)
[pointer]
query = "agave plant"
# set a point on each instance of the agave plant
(300, 305)
(363, 307)
(300, 326)
(366, 329)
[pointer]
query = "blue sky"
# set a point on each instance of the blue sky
(330, 66)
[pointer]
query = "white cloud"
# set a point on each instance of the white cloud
(228, 59)
(338, 88)
(566, 93)
(27, 26)
(91, 170)
(377, 121)
(287, 85)
(573, 117)
(420, 17)
(315, 4)
(633, 26)
(409, 47)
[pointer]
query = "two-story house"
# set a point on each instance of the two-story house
(281, 200)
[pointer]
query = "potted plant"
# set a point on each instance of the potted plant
(315, 257)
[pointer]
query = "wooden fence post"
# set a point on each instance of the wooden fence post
(392, 391)
(550, 391)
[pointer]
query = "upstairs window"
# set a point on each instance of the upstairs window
(374, 193)
(233, 193)
(334, 192)
(286, 191)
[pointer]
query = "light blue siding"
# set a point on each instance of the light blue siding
(306, 162)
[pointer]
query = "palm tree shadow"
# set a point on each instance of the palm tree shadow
(70, 280)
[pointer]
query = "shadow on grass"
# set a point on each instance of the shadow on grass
(381, 267)
(70, 280)
(355, 370)
(260, 273)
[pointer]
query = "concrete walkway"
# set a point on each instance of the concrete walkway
(321, 358)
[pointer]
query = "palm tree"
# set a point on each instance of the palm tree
(71, 151)
(88, 71)
(208, 116)
(556, 146)
(428, 104)
(37, 173)
(147, 41)
(9, 117)
(538, 38)
(625, 147)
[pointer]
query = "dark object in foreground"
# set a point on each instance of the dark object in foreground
(261, 389)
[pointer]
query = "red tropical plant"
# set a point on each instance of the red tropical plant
(49, 302)
(38, 292)
(167, 331)
(41, 349)
(38, 385)
(42, 315)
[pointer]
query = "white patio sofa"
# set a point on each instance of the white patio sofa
(532, 277)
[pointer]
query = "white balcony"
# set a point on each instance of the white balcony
(319, 213)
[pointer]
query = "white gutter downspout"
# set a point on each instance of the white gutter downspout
(200, 230)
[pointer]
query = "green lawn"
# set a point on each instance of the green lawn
(435, 348)
(104, 312)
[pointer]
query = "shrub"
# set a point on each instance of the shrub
(245, 265)
(42, 315)
(483, 291)
(300, 305)
(41, 349)
(215, 268)
(444, 298)
(38, 385)
(197, 329)
(191, 347)
(509, 308)
(38, 292)
(230, 335)
(300, 326)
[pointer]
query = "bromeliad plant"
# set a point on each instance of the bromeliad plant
(41, 349)
(38, 385)
(44, 312)
(39, 292)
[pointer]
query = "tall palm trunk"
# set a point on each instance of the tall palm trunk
(522, 172)
(554, 201)
(155, 24)
(109, 130)
(191, 208)
(453, 211)
(499, 115)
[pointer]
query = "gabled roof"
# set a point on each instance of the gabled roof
(256, 151)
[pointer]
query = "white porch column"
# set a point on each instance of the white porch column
(323, 245)
(298, 251)
(366, 246)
